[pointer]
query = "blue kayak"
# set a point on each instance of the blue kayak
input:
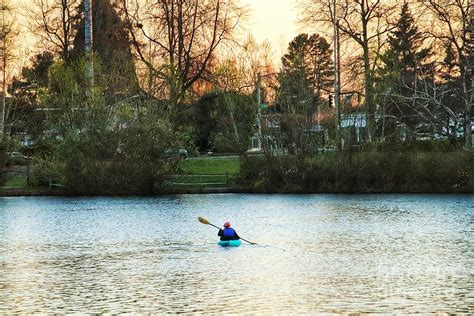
(229, 243)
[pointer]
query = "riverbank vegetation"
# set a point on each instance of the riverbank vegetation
(362, 172)
(383, 106)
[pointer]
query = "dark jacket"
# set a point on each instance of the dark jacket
(228, 234)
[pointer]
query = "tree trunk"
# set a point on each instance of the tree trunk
(466, 87)
(470, 101)
(369, 107)
(230, 107)
(88, 40)
(337, 82)
(4, 73)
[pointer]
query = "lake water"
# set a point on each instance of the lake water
(315, 253)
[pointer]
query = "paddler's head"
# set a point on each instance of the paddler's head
(227, 224)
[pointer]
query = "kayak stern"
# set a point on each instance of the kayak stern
(229, 243)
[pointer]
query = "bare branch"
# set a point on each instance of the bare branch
(184, 36)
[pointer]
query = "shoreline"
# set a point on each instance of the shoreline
(204, 191)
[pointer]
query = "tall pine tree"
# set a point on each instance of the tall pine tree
(307, 74)
(304, 80)
(112, 46)
(405, 66)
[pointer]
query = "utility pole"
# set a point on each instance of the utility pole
(89, 40)
(468, 136)
(337, 85)
(258, 120)
(4, 68)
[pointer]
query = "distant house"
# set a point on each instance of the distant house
(270, 124)
(26, 140)
(357, 121)
(354, 127)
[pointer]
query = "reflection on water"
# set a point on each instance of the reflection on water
(316, 253)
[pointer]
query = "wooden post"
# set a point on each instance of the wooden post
(28, 173)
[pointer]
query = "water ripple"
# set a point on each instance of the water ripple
(316, 253)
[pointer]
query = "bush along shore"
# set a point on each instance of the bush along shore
(345, 172)
(362, 172)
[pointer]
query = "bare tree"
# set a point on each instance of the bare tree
(181, 37)
(455, 20)
(365, 22)
(53, 22)
(238, 71)
(248, 68)
(430, 103)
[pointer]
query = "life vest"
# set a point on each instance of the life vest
(228, 232)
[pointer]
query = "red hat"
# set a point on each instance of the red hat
(227, 224)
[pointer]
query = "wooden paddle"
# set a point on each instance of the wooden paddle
(206, 222)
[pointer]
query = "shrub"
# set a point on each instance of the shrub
(44, 173)
(366, 171)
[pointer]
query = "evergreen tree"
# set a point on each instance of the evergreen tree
(24, 117)
(405, 66)
(112, 46)
(221, 127)
(307, 74)
(36, 75)
(406, 52)
(305, 79)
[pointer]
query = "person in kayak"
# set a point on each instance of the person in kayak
(228, 233)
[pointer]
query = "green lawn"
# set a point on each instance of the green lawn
(212, 166)
(16, 182)
(208, 172)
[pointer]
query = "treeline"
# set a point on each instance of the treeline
(161, 77)
(406, 130)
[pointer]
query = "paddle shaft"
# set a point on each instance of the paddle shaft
(252, 243)
(214, 226)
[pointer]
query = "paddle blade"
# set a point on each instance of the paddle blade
(203, 220)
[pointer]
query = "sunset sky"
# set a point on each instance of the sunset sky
(273, 20)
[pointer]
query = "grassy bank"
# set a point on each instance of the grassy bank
(17, 186)
(16, 182)
(206, 172)
(193, 175)
(214, 165)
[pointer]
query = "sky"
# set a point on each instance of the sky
(273, 20)
(269, 20)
